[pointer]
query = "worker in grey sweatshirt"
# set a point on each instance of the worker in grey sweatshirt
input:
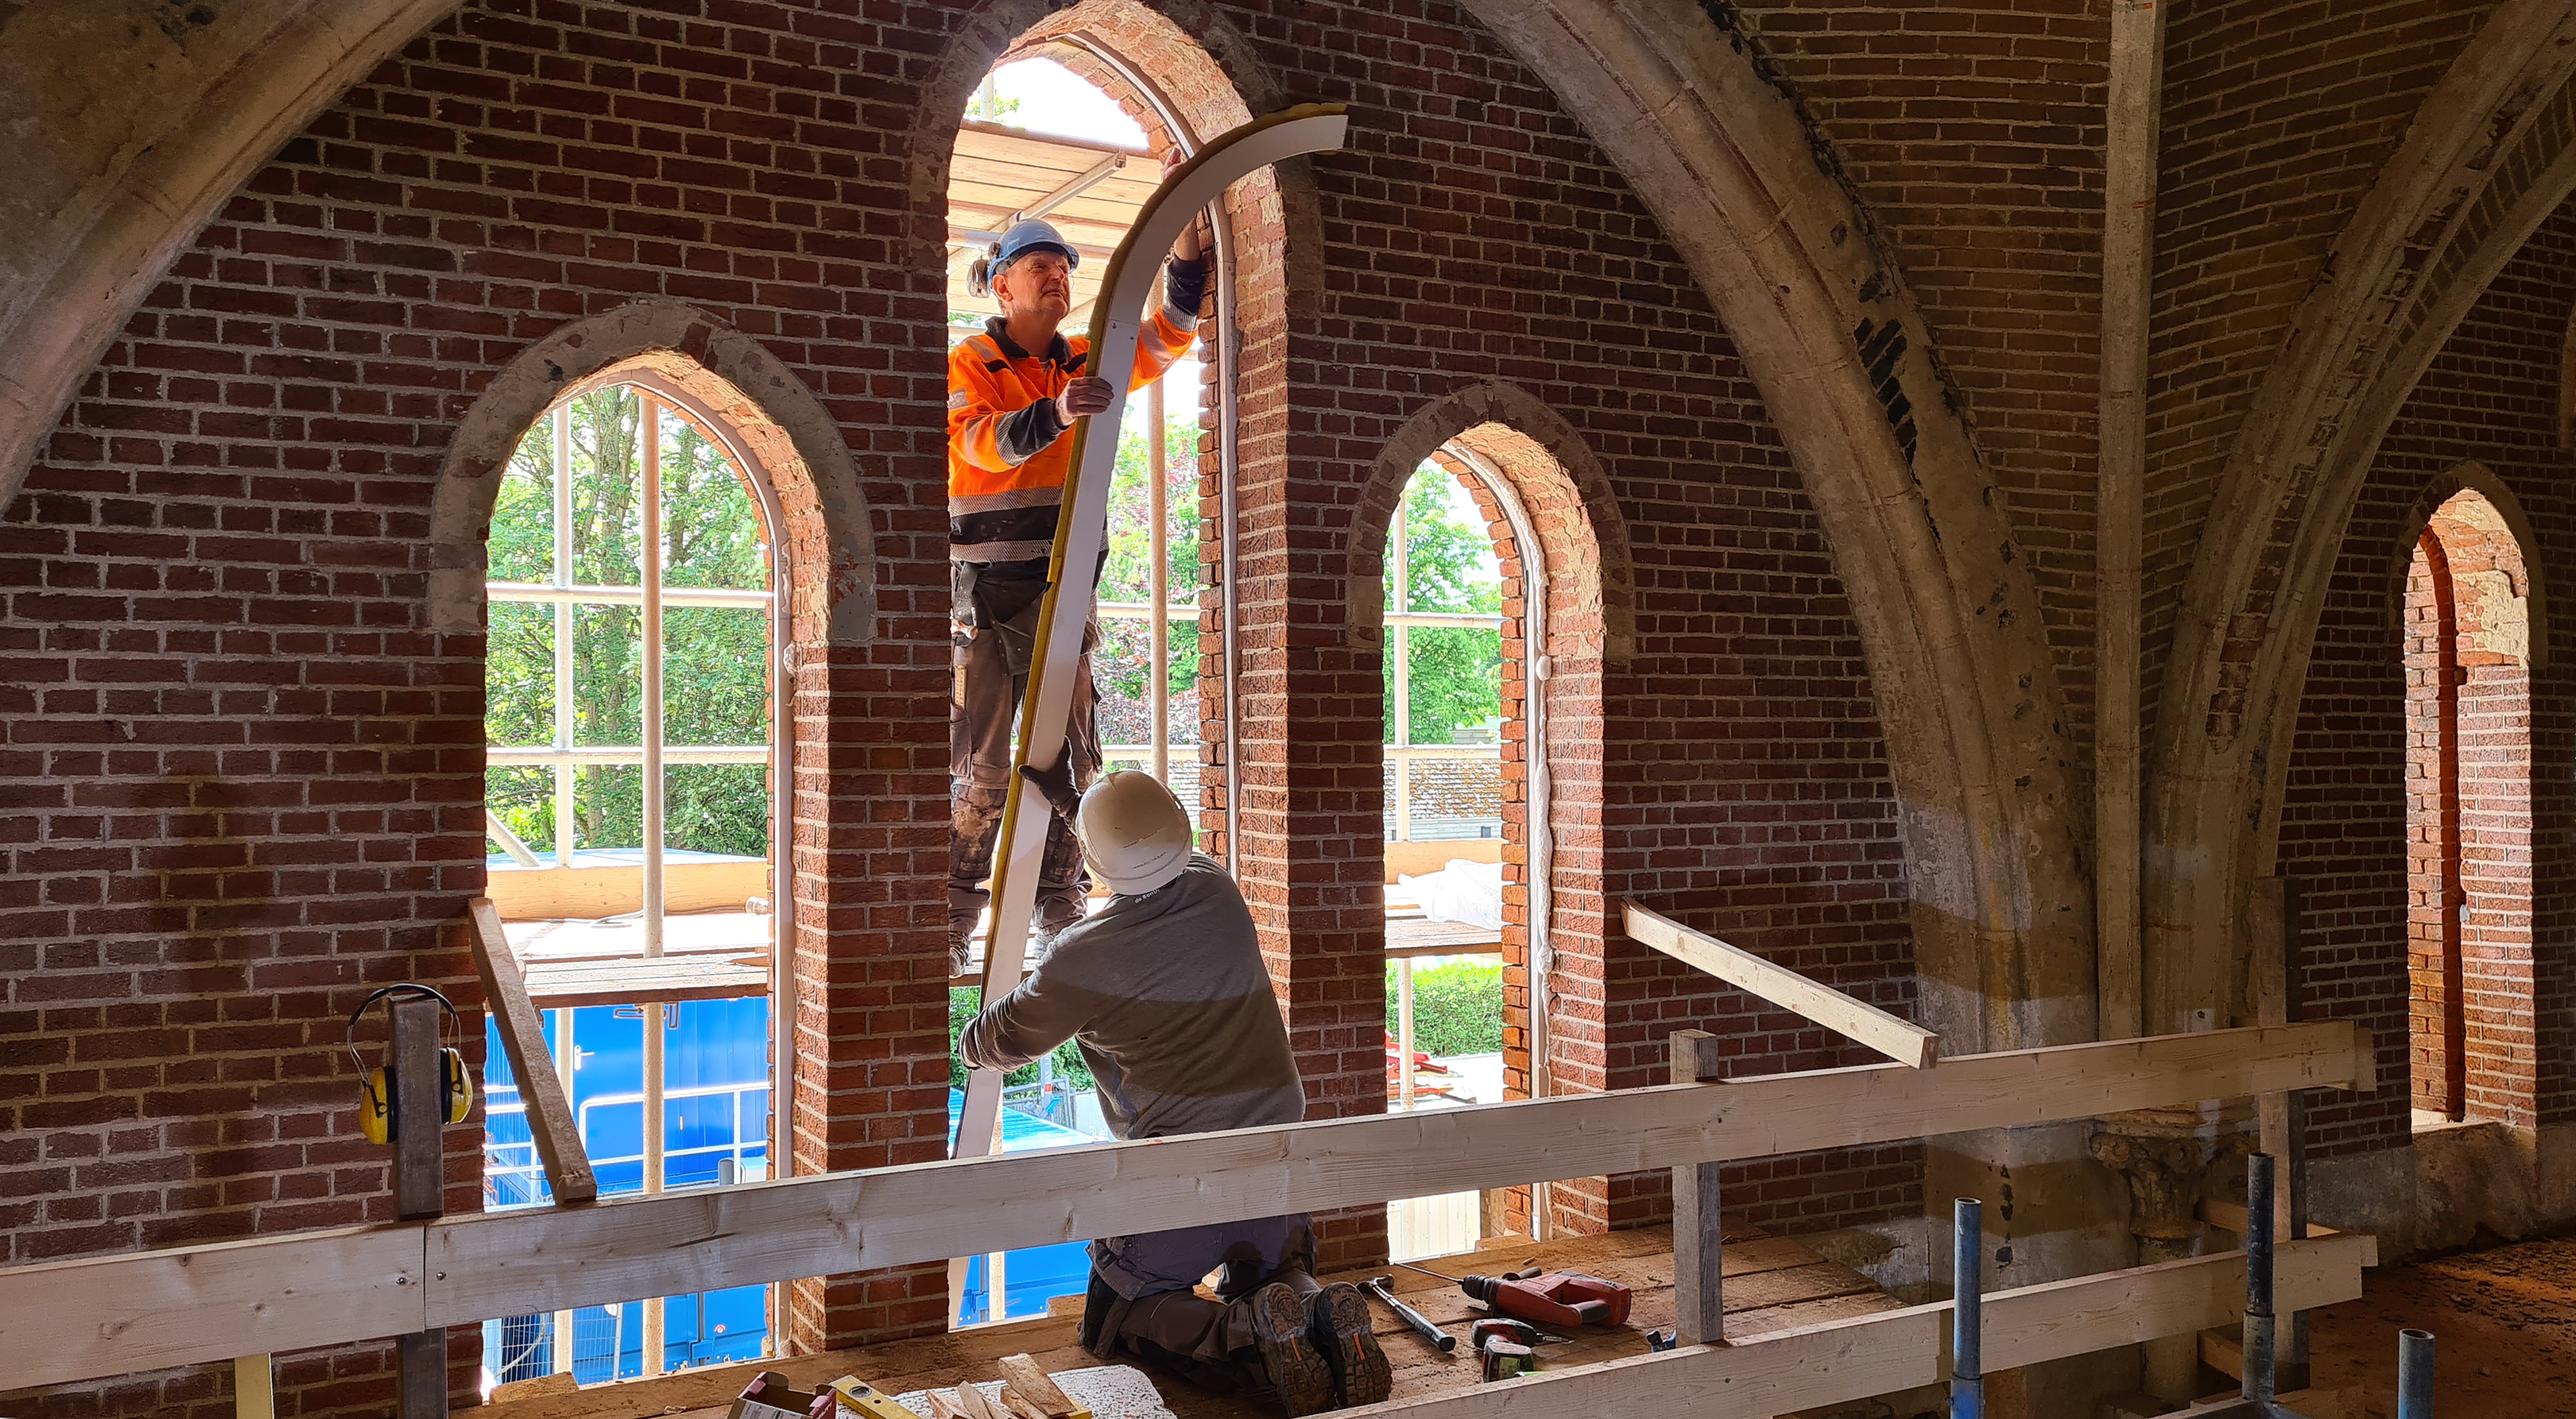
(1164, 991)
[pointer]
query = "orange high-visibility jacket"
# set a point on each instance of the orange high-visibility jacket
(1007, 454)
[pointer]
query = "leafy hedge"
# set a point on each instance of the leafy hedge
(1457, 1008)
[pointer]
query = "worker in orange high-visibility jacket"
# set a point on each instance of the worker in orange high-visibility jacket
(1014, 391)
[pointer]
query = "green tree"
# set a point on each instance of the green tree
(715, 659)
(1449, 567)
(1120, 665)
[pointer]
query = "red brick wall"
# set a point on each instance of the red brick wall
(2277, 117)
(1972, 133)
(2435, 1053)
(254, 772)
(2469, 827)
(2491, 396)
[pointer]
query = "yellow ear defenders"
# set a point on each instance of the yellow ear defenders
(377, 1117)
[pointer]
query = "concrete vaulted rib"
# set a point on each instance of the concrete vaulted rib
(2485, 162)
(131, 122)
(1947, 609)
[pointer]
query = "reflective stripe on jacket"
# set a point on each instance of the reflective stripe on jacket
(1007, 454)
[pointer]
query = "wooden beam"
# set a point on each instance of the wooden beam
(532, 1065)
(209, 1304)
(103, 1316)
(2090, 1313)
(1837, 1362)
(542, 1259)
(1699, 1245)
(1901, 1040)
(1842, 1361)
(2230, 1217)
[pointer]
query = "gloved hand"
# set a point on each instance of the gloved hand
(1057, 784)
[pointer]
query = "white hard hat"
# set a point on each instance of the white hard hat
(1134, 833)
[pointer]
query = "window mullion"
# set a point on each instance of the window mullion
(1158, 649)
(565, 775)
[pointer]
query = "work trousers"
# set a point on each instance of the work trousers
(996, 625)
(1206, 1342)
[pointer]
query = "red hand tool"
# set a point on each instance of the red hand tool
(1561, 1298)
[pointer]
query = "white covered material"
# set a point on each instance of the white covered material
(1470, 893)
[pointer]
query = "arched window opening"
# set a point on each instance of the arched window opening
(1450, 553)
(1042, 140)
(1501, 600)
(633, 720)
(2469, 933)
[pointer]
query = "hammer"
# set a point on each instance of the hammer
(1439, 1339)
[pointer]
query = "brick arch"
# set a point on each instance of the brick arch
(2470, 476)
(1203, 71)
(1559, 481)
(2492, 156)
(829, 549)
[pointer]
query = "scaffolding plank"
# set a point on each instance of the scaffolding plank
(1901, 1040)
(517, 1262)
(523, 1040)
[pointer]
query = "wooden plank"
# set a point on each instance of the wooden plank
(985, 137)
(1838, 1361)
(611, 889)
(2089, 1313)
(523, 1040)
(1699, 1237)
(111, 1315)
(513, 1263)
(1795, 1285)
(1764, 1320)
(1900, 1040)
(1834, 1363)
(2223, 1352)
(105, 1316)
(633, 980)
(2230, 1217)
(1033, 1384)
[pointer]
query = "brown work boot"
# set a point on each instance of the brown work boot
(1289, 1357)
(1346, 1334)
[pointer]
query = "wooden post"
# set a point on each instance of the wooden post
(2283, 1117)
(420, 1184)
(254, 1389)
(1698, 1246)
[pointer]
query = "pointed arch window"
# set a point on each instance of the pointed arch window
(634, 721)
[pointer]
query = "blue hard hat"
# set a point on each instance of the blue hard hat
(1033, 235)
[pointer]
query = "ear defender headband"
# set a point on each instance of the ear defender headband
(379, 1115)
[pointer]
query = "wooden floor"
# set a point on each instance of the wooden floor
(1771, 1284)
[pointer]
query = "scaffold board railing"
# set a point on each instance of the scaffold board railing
(113, 1315)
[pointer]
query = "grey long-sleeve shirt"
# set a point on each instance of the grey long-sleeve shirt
(1165, 994)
